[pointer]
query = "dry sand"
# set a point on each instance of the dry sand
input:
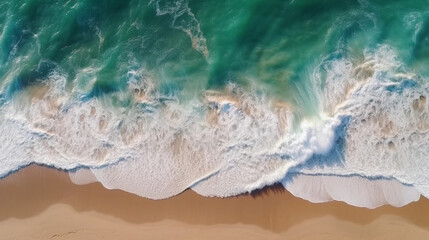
(42, 203)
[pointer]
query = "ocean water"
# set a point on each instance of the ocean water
(223, 97)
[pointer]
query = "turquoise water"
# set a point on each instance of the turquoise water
(275, 45)
(259, 87)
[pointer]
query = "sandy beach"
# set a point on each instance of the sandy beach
(42, 203)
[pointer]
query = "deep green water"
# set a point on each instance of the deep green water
(273, 44)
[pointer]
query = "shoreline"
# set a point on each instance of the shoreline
(34, 192)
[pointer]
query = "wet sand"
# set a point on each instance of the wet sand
(42, 203)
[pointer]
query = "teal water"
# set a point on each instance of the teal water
(274, 44)
(305, 54)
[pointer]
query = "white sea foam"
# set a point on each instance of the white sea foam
(253, 170)
(247, 142)
(373, 123)
(387, 134)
